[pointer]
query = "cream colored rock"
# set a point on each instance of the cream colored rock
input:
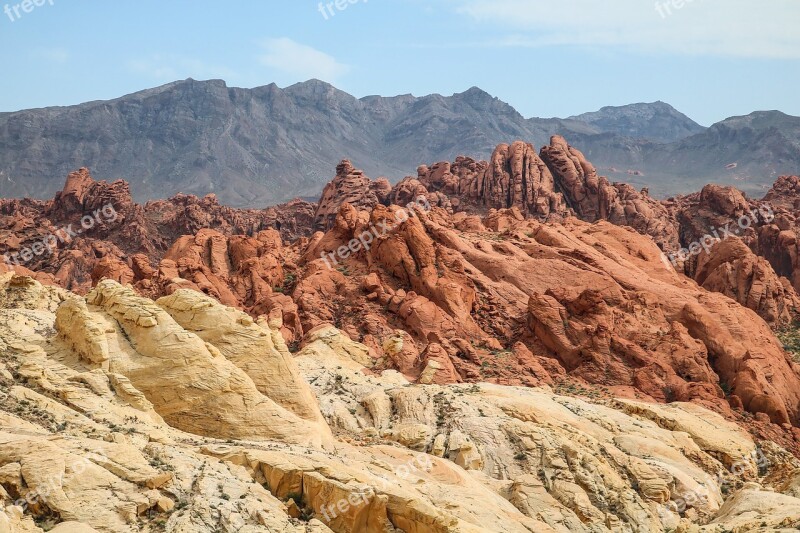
(339, 344)
(429, 374)
(710, 431)
(86, 445)
(383, 487)
(92, 344)
(753, 509)
(261, 354)
(12, 520)
(60, 475)
(73, 527)
(22, 292)
(105, 448)
(108, 488)
(573, 465)
(191, 388)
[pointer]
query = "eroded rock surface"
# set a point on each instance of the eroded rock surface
(514, 177)
(504, 332)
(186, 377)
(86, 443)
(350, 186)
(593, 197)
(624, 320)
(92, 230)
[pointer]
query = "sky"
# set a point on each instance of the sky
(711, 59)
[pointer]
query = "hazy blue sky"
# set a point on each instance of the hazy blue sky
(710, 58)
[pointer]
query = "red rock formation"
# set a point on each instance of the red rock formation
(412, 190)
(503, 297)
(239, 271)
(777, 241)
(595, 198)
(712, 209)
(461, 179)
(736, 246)
(92, 230)
(559, 183)
(188, 214)
(514, 177)
(623, 320)
(586, 193)
(349, 186)
(732, 269)
(785, 194)
(67, 236)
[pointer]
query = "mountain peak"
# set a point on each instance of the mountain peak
(313, 83)
(477, 92)
(657, 121)
(189, 84)
(315, 88)
(482, 101)
(477, 95)
(762, 120)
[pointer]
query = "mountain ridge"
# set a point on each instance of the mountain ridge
(260, 146)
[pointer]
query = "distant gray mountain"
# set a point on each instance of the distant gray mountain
(254, 147)
(658, 122)
(749, 152)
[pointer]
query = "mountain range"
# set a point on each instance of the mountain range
(491, 347)
(261, 146)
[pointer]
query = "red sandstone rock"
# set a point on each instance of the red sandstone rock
(448, 297)
(777, 241)
(595, 198)
(349, 186)
(717, 215)
(514, 177)
(622, 320)
(735, 271)
(559, 183)
(124, 237)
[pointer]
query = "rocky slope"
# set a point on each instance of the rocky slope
(497, 345)
(741, 247)
(778, 242)
(241, 259)
(251, 147)
(65, 248)
(256, 147)
(461, 298)
(443, 294)
(484, 300)
(748, 152)
(127, 241)
(92, 440)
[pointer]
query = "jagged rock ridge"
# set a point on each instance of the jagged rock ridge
(261, 146)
